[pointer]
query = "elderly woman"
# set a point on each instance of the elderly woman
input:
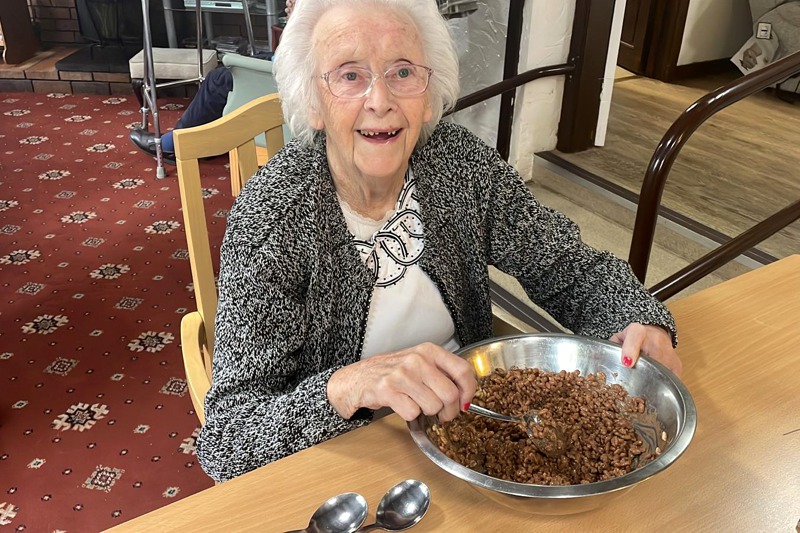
(356, 261)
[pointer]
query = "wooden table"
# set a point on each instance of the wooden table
(740, 344)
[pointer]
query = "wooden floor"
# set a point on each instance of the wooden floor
(740, 167)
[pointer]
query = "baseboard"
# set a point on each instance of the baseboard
(703, 68)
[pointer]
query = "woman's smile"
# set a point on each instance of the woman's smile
(380, 136)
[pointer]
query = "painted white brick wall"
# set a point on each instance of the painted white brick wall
(547, 31)
(546, 35)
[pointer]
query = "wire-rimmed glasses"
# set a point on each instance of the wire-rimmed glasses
(355, 82)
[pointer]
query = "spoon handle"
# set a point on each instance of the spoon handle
(478, 410)
(370, 527)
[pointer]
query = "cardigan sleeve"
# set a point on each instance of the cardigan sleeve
(589, 291)
(266, 400)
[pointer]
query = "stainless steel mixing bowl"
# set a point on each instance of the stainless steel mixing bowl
(660, 388)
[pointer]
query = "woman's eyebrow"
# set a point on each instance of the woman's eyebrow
(360, 63)
(351, 62)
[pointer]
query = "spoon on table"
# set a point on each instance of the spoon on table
(550, 447)
(401, 507)
(340, 514)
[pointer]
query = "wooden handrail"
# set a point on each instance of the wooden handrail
(661, 163)
(510, 84)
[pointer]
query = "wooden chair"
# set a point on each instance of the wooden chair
(233, 133)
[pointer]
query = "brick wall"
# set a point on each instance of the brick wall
(57, 21)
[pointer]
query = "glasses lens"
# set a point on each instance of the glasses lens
(355, 82)
(349, 82)
(407, 80)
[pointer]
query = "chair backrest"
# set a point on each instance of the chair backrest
(252, 78)
(233, 133)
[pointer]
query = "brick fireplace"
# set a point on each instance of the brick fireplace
(57, 24)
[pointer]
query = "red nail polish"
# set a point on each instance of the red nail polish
(627, 361)
(466, 406)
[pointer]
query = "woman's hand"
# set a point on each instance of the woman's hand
(423, 379)
(653, 341)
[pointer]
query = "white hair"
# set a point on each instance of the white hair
(295, 65)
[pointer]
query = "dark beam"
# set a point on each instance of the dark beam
(580, 108)
(510, 69)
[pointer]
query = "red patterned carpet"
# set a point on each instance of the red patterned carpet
(96, 424)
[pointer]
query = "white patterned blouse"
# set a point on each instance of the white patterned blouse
(406, 308)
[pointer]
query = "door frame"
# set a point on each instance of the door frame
(668, 27)
(636, 54)
(669, 22)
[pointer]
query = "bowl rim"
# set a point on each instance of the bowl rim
(677, 447)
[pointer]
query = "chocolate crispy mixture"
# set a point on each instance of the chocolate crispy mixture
(595, 419)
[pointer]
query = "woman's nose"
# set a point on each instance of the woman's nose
(380, 99)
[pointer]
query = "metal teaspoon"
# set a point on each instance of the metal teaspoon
(401, 507)
(340, 514)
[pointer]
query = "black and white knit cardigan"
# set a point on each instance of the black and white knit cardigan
(294, 294)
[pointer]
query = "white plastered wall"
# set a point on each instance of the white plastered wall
(539, 104)
(546, 35)
(715, 29)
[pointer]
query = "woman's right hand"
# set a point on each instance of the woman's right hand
(423, 379)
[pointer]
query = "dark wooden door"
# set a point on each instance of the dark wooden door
(636, 28)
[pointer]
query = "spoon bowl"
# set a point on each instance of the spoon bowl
(550, 441)
(402, 506)
(343, 513)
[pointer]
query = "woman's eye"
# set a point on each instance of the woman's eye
(350, 76)
(404, 72)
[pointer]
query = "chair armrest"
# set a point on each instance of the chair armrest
(247, 62)
(195, 361)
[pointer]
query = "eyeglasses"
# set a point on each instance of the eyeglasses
(355, 82)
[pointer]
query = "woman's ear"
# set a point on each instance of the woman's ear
(315, 119)
(428, 113)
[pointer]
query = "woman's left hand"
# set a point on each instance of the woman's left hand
(652, 341)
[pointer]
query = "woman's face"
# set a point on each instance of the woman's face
(361, 139)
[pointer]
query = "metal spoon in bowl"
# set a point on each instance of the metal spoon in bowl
(401, 507)
(552, 448)
(340, 514)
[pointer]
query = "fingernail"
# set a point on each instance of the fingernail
(466, 406)
(627, 361)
